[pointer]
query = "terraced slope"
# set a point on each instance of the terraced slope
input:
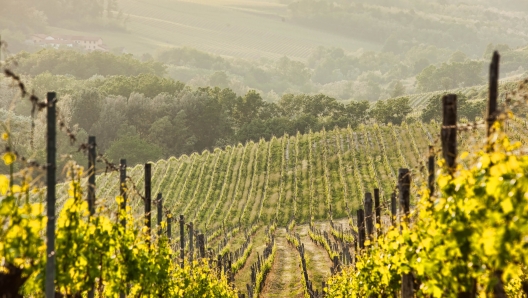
(299, 177)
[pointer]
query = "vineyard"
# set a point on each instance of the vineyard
(334, 213)
(308, 185)
(317, 176)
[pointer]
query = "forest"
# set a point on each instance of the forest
(141, 104)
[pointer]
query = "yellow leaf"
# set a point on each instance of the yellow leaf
(9, 158)
(4, 184)
(507, 205)
(16, 189)
(464, 155)
(488, 238)
(5, 136)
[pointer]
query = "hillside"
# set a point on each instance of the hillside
(419, 100)
(293, 177)
(242, 29)
(305, 178)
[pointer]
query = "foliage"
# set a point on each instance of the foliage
(115, 259)
(466, 109)
(147, 84)
(59, 62)
(242, 260)
(473, 230)
(399, 90)
(450, 76)
(190, 57)
(134, 149)
(393, 110)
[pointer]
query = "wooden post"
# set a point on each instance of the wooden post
(337, 268)
(159, 204)
(91, 186)
(148, 196)
(361, 228)
(449, 130)
(368, 215)
(219, 265)
(394, 208)
(493, 90)
(169, 226)
(498, 289)
(404, 189)
(431, 170)
(91, 174)
(191, 243)
(201, 242)
(51, 181)
(182, 241)
(122, 188)
(377, 208)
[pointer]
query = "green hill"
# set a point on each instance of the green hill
(292, 177)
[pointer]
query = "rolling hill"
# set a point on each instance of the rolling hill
(242, 29)
(293, 177)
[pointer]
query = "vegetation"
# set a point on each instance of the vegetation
(117, 259)
(400, 25)
(456, 237)
(144, 107)
(86, 65)
(249, 135)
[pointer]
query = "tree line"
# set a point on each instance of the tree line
(145, 125)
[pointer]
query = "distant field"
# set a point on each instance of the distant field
(235, 28)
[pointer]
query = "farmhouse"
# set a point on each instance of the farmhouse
(55, 41)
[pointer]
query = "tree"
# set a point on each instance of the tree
(247, 108)
(87, 104)
(205, 118)
(466, 109)
(149, 85)
(398, 90)
(420, 65)
(393, 110)
(291, 105)
(321, 105)
(135, 149)
(459, 74)
(502, 48)
(219, 79)
(292, 71)
(458, 56)
(447, 83)
(84, 65)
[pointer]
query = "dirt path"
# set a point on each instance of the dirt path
(243, 276)
(317, 260)
(284, 279)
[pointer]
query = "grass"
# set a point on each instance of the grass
(242, 29)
